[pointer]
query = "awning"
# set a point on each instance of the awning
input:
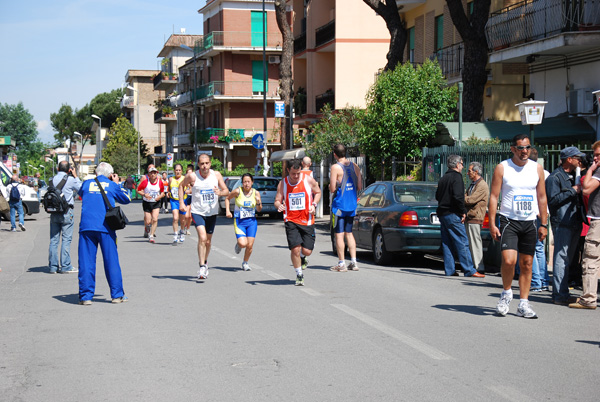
(287, 154)
(552, 130)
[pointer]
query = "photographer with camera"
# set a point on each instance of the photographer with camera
(61, 224)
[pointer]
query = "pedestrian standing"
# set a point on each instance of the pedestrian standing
(345, 183)
(207, 185)
(563, 203)
(451, 212)
(16, 192)
(591, 250)
(247, 204)
(297, 197)
(476, 200)
(61, 223)
(93, 231)
(521, 182)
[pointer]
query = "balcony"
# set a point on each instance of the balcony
(164, 81)
(233, 135)
(162, 116)
(300, 43)
(181, 140)
(325, 33)
(127, 102)
(450, 59)
(324, 99)
(529, 21)
(236, 90)
(218, 41)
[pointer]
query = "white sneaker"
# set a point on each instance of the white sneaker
(246, 266)
(503, 304)
(175, 238)
(525, 310)
(237, 248)
(203, 272)
(181, 236)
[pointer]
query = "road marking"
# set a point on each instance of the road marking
(274, 275)
(225, 253)
(394, 333)
(310, 291)
(509, 393)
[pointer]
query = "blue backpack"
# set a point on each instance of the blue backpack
(15, 194)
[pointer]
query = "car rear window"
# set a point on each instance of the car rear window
(408, 194)
(265, 184)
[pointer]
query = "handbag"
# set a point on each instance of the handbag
(4, 207)
(115, 217)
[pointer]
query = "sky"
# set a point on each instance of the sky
(68, 51)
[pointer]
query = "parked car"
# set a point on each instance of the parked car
(230, 181)
(400, 217)
(31, 202)
(267, 186)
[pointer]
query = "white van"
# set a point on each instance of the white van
(31, 203)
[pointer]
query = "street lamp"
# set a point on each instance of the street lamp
(98, 140)
(42, 166)
(137, 122)
(53, 164)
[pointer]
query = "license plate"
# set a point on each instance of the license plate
(434, 219)
(268, 208)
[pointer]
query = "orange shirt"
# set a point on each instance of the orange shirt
(297, 198)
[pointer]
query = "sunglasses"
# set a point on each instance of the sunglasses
(522, 147)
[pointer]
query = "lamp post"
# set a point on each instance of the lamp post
(53, 165)
(27, 168)
(137, 123)
(80, 136)
(42, 166)
(98, 140)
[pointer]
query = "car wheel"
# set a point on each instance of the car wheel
(25, 210)
(380, 255)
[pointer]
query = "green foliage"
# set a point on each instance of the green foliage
(277, 169)
(106, 106)
(239, 170)
(122, 137)
(403, 107)
(20, 125)
(123, 158)
(472, 140)
(416, 174)
(343, 126)
(63, 122)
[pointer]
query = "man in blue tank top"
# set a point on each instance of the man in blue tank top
(345, 182)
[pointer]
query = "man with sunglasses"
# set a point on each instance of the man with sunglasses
(521, 182)
(563, 202)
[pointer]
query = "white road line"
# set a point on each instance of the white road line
(225, 253)
(509, 393)
(394, 333)
(274, 275)
(310, 291)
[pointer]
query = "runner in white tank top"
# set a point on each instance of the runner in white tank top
(207, 186)
(521, 182)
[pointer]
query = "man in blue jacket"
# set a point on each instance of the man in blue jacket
(563, 203)
(93, 231)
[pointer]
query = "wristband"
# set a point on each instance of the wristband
(544, 226)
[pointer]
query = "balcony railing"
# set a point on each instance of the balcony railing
(181, 139)
(537, 19)
(300, 43)
(236, 40)
(325, 33)
(450, 59)
(214, 135)
(324, 99)
(127, 102)
(163, 80)
(236, 89)
(160, 116)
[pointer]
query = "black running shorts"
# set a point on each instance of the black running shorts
(518, 235)
(300, 235)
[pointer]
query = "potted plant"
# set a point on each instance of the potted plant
(167, 110)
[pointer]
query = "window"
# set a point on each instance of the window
(364, 196)
(257, 77)
(438, 40)
(377, 199)
(411, 45)
(256, 26)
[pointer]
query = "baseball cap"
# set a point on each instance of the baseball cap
(570, 152)
(152, 169)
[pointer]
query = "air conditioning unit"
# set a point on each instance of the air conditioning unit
(208, 62)
(581, 101)
(274, 60)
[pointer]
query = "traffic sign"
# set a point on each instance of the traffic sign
(169, 160)
(279, 109)
(258, 141)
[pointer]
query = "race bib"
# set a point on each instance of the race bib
(523, 205)
(175, 193)
(297, 201)
(152, 195)
(207, 197)
(247, 213)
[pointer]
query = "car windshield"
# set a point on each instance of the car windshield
(231, 183)
(414, 193)
(265, 184)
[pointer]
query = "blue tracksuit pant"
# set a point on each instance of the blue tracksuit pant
(88, 247)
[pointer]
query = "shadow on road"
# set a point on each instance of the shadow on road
(176, 277)
(474, 310)
(277, 282)
(43, 270)
(590, 342)
(74, 298)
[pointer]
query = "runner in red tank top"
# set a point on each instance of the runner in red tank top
(297, 197)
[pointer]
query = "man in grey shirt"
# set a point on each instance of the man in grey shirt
(61, 225)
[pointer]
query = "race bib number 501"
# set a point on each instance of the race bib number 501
(523, 205)
(297, 201)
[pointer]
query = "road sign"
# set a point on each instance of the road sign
(169, 160)
(279, 109)
(258, 141)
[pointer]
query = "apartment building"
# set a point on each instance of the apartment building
(339, 46)
(221, 88)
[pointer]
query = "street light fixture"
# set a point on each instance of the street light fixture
(42, 166)
(98, 140)
(137, 123)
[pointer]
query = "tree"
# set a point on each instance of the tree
(106, 105)
(64, 122)
(121, 148)
(343, 127)
(403, 107)
(474, 75)
(285, 67)
(19, 124)
(388, 10)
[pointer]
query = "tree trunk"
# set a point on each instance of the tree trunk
(388, 10)
(285, 69)
(474, 75)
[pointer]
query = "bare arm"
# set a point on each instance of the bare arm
(493, 205)
(279, 204)
(333, 178)
(189, 180)
(542, 204)
(314, 186)
(588, 183)
(222, 186)
(232, 194)
(358, 178)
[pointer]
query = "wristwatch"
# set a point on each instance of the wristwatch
(544, 226)
(314, 204)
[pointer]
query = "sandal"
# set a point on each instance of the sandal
(337, 268)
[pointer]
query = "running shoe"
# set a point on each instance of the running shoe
(22, 227)
(536, 290)
(175, 238)
(339, 268)
(525, 310)
(203, 272)
(85, 302)
(151, 239)
(146, 231)
(304, 262)
(246, 266)
(181, 236)
(353, 266)
(237, 248)
(503, 304)
(299, 280)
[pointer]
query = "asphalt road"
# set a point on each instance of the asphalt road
(398, 333)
